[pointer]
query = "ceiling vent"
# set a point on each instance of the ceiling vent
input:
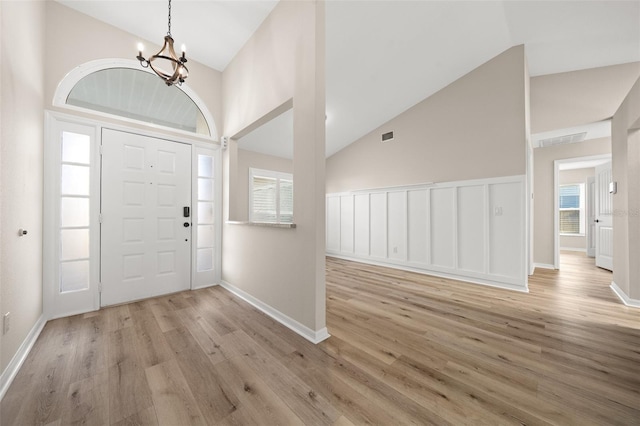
(387, 137)
(561, 140)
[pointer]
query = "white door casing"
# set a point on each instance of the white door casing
(145, 244)
(604, 217)
(591, 216)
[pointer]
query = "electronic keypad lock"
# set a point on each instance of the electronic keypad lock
(186, 211)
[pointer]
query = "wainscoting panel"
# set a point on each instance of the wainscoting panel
(471, 238)
(361, 228)
(443, 232)
(346, 223)
(469, 230)
(418, 233)
(397, 225)
(507, 244)
(333, 224)
(378, 228)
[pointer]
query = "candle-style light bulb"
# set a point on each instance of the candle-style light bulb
(140, 48)
(184, 50)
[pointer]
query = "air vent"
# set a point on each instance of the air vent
(561, 140)
(387, 137)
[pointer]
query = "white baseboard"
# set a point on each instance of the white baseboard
(18, 359)
(301, 329)
(634, 303)
(472, 280)
(582, 250)
(204, 286)
(544, 266)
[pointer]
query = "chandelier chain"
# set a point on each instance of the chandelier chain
(169, 30)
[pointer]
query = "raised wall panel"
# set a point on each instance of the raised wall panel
(346, 223)
(166, 162)
(471, 218)
(132, 193)
(505, 229)
(417, 227)
(464, 230)
(132, 229)
(166, 262)
(133, 157)
(166, 195)
(378, 221)
(397, 225)
(442, 227)
(333, 224)
(361, 224)
(166, 229)
(132, 266)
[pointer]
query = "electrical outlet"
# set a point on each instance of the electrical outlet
(395, 249)
(6, 322)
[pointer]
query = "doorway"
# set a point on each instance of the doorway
(582, 208)
(128, 215)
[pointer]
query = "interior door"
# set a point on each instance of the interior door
(591, 216)
(146, 234)
(604, 217)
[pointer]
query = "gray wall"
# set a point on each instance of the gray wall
(474, 128)
(21, 168)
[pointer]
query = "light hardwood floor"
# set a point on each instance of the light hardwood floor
(405, 349)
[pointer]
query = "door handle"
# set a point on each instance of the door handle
(186, 224)
(596, 220)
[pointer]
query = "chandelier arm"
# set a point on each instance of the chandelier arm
(167, 53)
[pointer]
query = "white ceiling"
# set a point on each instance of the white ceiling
(385, 56)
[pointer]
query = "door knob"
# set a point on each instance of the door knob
(186, 224)
(596, 220)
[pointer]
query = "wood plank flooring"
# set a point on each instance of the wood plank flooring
(405, 349)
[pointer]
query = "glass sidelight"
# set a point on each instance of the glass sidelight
(74, 235)
(205, 217)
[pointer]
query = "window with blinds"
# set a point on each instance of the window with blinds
(270, 196)
(571, 206)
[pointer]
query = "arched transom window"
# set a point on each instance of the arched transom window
(118, 88)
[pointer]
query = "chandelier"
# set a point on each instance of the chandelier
(166, 59)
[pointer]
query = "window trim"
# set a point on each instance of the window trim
(78, 73)
(273, 175)
(581, 211)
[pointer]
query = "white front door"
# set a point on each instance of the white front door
(146, 229)
(604, 217)
(591, 216)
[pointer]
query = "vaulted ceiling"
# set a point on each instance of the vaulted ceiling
(385, 56)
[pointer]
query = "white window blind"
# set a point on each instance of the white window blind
(270, 196)
(571, 206)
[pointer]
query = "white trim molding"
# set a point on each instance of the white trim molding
(581, 250)
(544, 266)
(473, 230)
(78, 73)
(634, 303)
(489, 283)
(301, 329)
(18, 359)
